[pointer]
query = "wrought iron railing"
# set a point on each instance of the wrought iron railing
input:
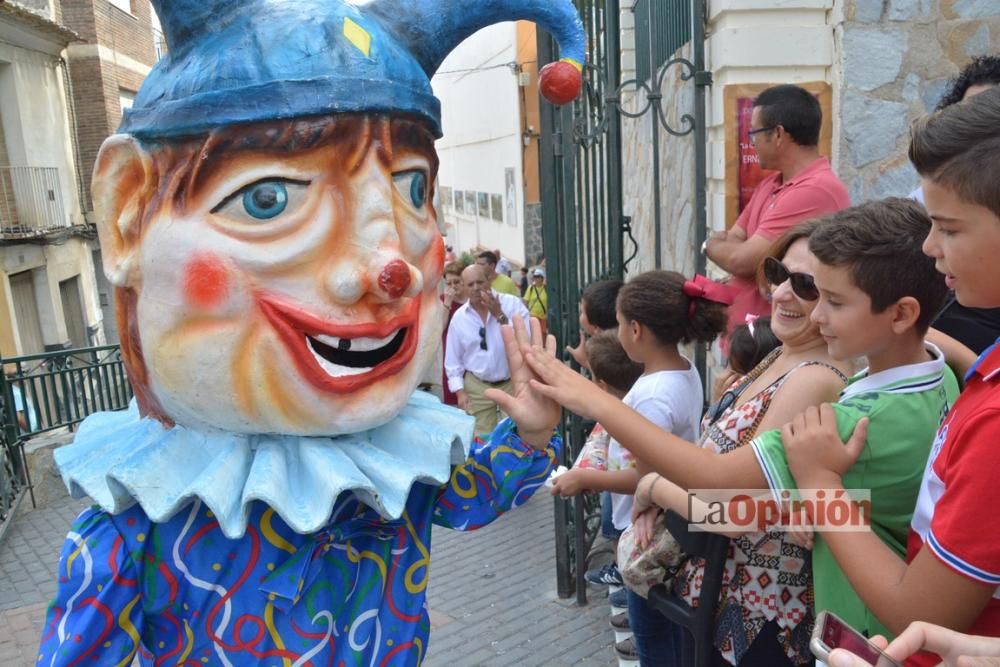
(661, 27)
(582, 185)
(40, 393)
(60, 389)
(581, 167)
(31, 201)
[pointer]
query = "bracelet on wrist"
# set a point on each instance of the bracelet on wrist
(649, 495)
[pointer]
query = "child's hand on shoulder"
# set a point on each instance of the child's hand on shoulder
(722, 382)
(817, 457)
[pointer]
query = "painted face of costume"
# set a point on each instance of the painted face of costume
(266, 212)
(290, 292)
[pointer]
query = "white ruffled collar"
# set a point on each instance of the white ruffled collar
(120, 458)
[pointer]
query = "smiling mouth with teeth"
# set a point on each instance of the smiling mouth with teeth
(351, 356)
(343, 358)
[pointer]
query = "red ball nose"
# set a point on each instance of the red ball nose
(395, 278)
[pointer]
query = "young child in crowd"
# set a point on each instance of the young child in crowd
(656, 312)
(597, 313)
(749, 344)
(951, 571)
(652, 321)
(614, 372)
(878, 293)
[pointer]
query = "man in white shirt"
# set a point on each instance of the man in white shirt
(475, 360)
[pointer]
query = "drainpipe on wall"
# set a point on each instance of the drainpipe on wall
(74, 138)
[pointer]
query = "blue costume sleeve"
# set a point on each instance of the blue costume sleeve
(500, 475)
(97, 613)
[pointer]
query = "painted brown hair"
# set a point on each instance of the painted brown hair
(177, 166)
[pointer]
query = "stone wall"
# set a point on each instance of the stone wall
(676, 179)
(895, 60)
(533, 252)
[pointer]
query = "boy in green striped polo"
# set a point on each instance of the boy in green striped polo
(878, 294)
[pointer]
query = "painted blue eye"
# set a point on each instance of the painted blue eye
(418, 190)
(273, 200)
(412, 184)
(265, 200)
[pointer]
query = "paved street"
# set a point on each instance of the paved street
(491, 593)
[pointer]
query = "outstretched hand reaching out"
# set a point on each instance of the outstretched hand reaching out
(535, 414)
(560, 383)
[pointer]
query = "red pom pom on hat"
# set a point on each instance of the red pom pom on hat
(560, 82)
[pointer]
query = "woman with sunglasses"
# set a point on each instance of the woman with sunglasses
(765, 615)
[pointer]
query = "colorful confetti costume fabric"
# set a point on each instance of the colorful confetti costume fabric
(352, 593)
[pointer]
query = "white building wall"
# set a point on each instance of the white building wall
(481, 118)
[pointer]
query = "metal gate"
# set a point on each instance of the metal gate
(585, 232)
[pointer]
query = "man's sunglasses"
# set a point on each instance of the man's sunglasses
(482, 338)
(803, 285)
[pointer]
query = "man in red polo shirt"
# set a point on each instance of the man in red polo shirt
(784, 128)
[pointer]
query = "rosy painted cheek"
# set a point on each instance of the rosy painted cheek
(437, 253)
(206, 281)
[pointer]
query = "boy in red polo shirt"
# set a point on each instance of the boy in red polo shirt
(951, 576)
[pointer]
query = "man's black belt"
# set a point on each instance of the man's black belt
(492, 384)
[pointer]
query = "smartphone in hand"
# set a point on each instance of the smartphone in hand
(831, 632)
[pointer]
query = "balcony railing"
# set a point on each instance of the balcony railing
(31, 201)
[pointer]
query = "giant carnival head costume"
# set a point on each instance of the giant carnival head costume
(266, 217)
(266, 209)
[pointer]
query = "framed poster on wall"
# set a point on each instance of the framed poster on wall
(743, 171)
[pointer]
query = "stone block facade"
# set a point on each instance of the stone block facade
(675, 181)
(533, 250)
(896, 58)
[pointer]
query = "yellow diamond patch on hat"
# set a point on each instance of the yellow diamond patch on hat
(358, 36)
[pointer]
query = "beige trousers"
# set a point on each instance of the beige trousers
(486, 412)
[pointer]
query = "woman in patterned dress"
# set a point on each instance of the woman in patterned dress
(765, 612)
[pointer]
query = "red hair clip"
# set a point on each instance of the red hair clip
(701, 287)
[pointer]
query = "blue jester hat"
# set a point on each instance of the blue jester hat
(244, 61)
